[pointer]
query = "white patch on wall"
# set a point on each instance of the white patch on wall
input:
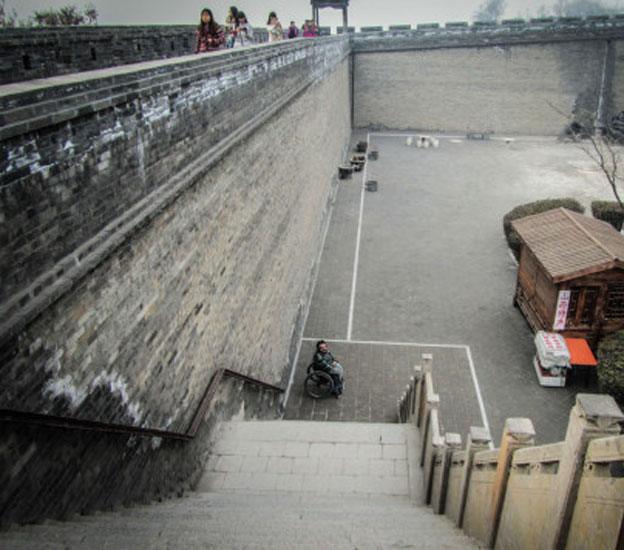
(66, 389)
(115, 383)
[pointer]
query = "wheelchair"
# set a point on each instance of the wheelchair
(318, 384)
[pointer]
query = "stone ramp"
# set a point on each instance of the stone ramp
(278, 485)
(376, 373)
(311, 457)
(267, 521)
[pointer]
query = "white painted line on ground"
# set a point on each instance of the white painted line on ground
(473, 372)
(356, 259)
(384, 343)
(317, 263)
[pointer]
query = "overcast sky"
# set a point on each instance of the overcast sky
(361, 12)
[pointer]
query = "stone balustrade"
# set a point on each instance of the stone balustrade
(521, 496)
(29, 53)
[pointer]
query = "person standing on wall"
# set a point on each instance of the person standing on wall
(210, 36)
(231, 26)
(293, 31)
(245, 36)
(276, 32)
(309, 29)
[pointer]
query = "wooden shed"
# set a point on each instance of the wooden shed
(571, 274)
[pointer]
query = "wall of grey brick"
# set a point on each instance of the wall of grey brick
(218, 276)
(617, 85)
(44, 52)
(480, 81)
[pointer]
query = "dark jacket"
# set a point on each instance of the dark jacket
(323, 361)
(208, 39)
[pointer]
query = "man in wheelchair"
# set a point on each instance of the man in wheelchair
(325, 361)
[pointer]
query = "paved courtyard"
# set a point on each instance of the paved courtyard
(433, 267)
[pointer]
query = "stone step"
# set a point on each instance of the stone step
(252, 520)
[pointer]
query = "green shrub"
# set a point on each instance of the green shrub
(611, 365)
(610, 212)
(529, 209)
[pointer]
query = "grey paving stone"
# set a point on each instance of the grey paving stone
(434, 268)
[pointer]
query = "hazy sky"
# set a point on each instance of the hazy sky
(361, 12)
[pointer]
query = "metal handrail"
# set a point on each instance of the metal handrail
(63, 422)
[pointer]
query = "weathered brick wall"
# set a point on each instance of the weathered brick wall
(44, 52)
(481, 81)
(215, 184)
(618, 78)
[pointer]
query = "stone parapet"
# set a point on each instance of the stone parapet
(463, 35)
(29, 53)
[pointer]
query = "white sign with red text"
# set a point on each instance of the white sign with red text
(561, 313)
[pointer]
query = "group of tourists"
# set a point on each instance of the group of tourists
(238, 32)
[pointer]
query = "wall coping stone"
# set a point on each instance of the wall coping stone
(594, 406)
(28, 106)
(608, 449)
(537, 455)
(486, 457)
(424, 38)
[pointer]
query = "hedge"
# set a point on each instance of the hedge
(529, 209)
(610, 212)
(611, 365)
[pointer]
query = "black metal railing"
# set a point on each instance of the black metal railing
(68, 423)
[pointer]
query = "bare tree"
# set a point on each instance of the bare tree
(8, 18)
(69, 15)
(91, 14)
(608, 157)
(601, 146)
(490, 10)
(582, 8)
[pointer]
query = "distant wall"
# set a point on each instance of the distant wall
(509, 82)
(158, 224)
(618, 78)
(29, 53)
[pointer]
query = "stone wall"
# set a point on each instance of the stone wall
(511, 82)
(44, 52)
(159, 232)
(618, 78)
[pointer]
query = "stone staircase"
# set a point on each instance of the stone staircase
(279, 484)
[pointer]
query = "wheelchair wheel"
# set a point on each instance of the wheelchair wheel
(319, 384)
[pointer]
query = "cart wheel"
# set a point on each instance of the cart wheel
(319, 384)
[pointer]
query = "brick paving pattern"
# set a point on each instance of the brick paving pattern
(434, 268)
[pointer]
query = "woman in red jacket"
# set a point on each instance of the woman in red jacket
(210, 36)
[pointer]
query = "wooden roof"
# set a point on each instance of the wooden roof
(570, 245)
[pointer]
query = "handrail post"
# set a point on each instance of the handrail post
(452, 443)
(518, 433)
(478, 440)
(417, 384)
(419, 375)
(432, 402)
(592, 417)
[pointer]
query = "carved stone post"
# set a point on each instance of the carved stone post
(427, 363)
(478, 440)
(419, 374)
(518, 433)
(592, 417)
(452, 443)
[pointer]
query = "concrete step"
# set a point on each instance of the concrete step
(223, 520)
